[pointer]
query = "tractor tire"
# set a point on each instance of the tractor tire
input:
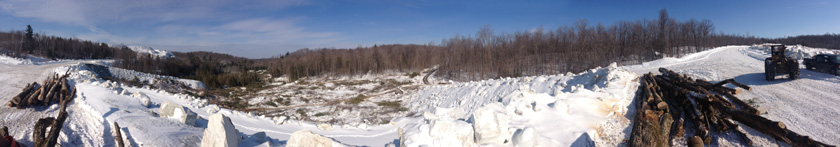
(769, 70)
(794, 70)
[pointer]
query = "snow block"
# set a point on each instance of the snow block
(258, 137)
(308, 139)
(146, 102)
(525, 137)
(451, 133)
(220, 132)
(325, 127)
(491, 124)
(172, 110)
(213, 108)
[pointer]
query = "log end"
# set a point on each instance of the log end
(695, 141)
(782, 125)
(662, 106)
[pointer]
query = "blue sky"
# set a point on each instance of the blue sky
(258, 29)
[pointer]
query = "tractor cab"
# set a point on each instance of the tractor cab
(778, 50)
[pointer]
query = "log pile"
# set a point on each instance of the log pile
(669, 103)
(55, 89)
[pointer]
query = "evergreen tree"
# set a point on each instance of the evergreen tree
(29, 41)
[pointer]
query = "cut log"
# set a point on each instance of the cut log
(55, 88)
(29, 89)
(677, 128)
(744, 137)
(118, 135)
(4, 131)
(38, 135)
(695, 141)
(32, 98)
(647, 131)
(733, 82)
(55, 129)
(743, 104)
(44, 91)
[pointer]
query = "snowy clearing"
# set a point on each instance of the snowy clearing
(583, 109)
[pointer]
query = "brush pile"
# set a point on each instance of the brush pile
(670, 102)
(55, 89)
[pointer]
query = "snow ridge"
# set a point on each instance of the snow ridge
(573, 109)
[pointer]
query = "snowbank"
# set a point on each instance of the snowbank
(559, 109)
(307, 138)
(154, 79)
(33, 60)
(798, 52)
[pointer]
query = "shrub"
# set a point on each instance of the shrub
(358, 99)
(302, 112)
(413, 74)
(392, 104)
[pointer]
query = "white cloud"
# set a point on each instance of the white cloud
(87, 12)
(263, 31)
(184, 23)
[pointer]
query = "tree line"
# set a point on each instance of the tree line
(213, 69)
(20, 43)
(486, 54)
(828, 40)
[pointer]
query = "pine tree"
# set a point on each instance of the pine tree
(29, 41)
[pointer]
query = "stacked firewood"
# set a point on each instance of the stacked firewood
(55, 89)
(670, 102)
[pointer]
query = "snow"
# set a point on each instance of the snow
(221, 132)
(491, 124)
(525, 137)
(307, 138)
(150, 51)
(559, 108)
(152, 78)
(583, 109)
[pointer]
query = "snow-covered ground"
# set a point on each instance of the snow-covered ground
(145, 50)
(99, 103)
(327, 99)
(562, 110)
(582, 109)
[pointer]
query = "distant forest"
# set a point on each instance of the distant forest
(486, 54)
(829, 41)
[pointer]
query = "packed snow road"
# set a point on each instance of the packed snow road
(808, 105)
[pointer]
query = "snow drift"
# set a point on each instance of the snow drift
(556, 110)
